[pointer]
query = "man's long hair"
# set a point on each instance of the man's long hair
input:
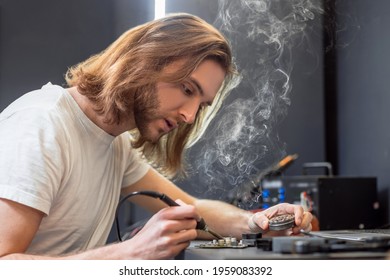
(133, 64)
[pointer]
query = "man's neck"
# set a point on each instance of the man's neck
(87, 107)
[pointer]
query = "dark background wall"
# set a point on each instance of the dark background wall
(40, 39)
(363, 99)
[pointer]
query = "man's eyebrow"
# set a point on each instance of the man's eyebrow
(200, 89)
(196, 83)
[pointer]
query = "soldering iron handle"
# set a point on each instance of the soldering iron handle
(199, 225)
(168, 200)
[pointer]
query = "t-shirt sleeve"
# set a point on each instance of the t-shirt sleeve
(30, 160)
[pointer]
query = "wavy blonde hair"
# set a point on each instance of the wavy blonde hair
(134, 63)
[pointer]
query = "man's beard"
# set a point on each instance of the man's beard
(145, 107)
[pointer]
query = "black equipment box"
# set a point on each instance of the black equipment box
(337, 202)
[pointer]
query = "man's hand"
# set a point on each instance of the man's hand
(260, 221)
(165, 235)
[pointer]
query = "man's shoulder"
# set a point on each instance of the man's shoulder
(40, 100)
(34, 113)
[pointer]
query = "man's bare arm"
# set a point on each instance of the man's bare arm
(220, 216)
(167, 233)
(19, 223)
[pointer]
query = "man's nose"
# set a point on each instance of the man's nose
(188, 111)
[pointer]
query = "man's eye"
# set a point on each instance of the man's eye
(187, 90)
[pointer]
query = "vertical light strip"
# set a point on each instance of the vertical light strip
(159, 9)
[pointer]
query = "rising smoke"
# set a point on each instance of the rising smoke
(241, 142)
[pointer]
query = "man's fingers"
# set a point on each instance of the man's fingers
(258, 222)
(178, 212)
(261, 219)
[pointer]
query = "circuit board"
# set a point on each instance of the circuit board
(227, 242)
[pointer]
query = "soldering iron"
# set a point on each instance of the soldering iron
(201, 224)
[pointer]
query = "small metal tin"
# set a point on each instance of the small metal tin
(282, 222)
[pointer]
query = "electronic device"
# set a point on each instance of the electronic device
(337, 202)
(359, 235)
(315, 245)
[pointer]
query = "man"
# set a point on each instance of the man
(66, 154)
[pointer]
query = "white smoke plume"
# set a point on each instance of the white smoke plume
(241, 141)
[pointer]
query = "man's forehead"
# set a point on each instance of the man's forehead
(172, 67)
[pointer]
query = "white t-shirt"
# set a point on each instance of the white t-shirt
(54, 159)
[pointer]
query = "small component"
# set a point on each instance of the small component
(250, 239)
(282, 222)
(264, 244)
